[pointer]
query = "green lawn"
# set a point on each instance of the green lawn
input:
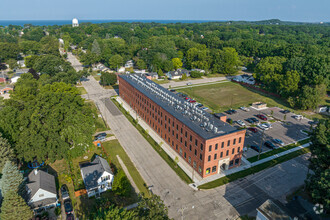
(82, 90)
(222, 96)
(252, 170)
(100, 125)
(113, 148)
(155, 145)
(278, 150)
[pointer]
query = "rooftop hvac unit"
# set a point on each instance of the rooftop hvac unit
(215, 129)
(211, 126)
(205, 124)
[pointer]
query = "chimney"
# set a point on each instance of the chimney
(35, 171)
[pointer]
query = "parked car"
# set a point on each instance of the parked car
(187, 98)
(184, 95)
(298, 117)
(68, 206)
(189, 83)
(254, 130)
(263, 127)
(229, 120)
(285, 111)
(278, 141)
(255, 120)
(231, 111)
(100, 137)
(245, 109)
(64, 192)
(262, 117)
(266, 125)
(172, 90)
(269, 145)
(205, 108)
(250, 120)
(192, 101)
(240, 122)
(199, 105)
(256, 148)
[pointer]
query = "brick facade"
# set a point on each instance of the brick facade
(205, 156)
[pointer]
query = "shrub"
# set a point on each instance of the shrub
(121, 185)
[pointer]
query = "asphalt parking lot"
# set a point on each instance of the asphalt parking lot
(288, 130)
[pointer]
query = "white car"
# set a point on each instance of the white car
(298, 117)
(240, 122)
(244, 109)
(205, 108)
(263, 127)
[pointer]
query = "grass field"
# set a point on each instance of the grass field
(82, 90)
(222, 96)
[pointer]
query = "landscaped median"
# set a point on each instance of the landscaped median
(154, 144)
(278, 150)
(252, 170)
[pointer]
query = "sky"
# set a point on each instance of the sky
(249, 10)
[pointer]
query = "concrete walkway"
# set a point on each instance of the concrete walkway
(123, 166)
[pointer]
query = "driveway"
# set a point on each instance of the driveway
(224, 202)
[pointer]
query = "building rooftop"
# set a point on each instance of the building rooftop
(182, 110)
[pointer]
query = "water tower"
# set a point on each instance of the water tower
(75, 22)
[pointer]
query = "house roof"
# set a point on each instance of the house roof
(92, 171)
(179, 72)
(2, 75)
(6, 86)
(41, 180)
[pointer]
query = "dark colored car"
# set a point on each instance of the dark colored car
(100, 137)
(68, 206)
(254, 130)
(64, 192)
(229, 120)
(184, 95)
(255, 120)
(285, 111)
(249, 120)
(256, 148)
(269, 145)
(172, 90)
(199, 105)
(231, 111)
(262, 117)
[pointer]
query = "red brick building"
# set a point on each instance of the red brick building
(205, 142)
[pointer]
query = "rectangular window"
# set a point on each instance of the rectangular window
(180, 151)
(190, 148)
(177, 127)
(190, 138)
(165, 125)
(216, 146)
(185, 155)
(233, 151)
(239, 140)
(228, 144)
(169, 121)
(194, 164)
(208, 158)
(173, 143)
(215, 156)
(199, 169)
(221, 154)
(236, 161)
(176, 147)
(185, 143)
(222, 144)
(185, 134)
(207, 171)
(195, 152)
(177, 136)
(196, 142)
(210, 148)
(231, 163)
(181, 139)
(227, 152)
(234, 141)
(201, 147)
(189, 159)
(214, 168)
(238, 149)
(165, 117)
(181, 130)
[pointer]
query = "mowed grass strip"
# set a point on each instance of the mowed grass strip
(278, 150)
(155, 145)
(222, 96)
(252, 170)
(113, 148)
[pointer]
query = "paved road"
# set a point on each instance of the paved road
(224, 202)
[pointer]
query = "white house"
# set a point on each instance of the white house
(129, 64)
(41, 190)
(97, 176)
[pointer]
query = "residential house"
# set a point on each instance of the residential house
(41, 190)
(21, 63)
(152, 75)
(198, 70)
(177, 74)
(5, 89)
(129, 64)
(121, 70)
(97, 176)
(3, 77)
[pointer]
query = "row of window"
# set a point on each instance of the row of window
(214, 168)
(221, 154)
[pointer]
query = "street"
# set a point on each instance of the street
(225, 202)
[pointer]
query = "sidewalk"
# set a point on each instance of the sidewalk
(128, 174)
(182, 164)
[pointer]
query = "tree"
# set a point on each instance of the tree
(96, 48)
(49, 123)
(289, 83)
(160, 73)
(12, 64)
(114, 212)
(176, 160)
(226, 61)
(319, 182)
(196, 74)
(152, 208)
(30, 60)
(177, 63)
(51, 65)
(11, 179)
(121, 185)
(108, 79)
(14, 207)
(141, 64)
(115, 61)
(184, 77)
(6, 153)
(310, 97)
